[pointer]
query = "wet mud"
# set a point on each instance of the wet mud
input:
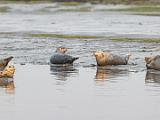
(81, 91)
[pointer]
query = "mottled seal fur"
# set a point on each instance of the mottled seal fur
(60, 57)
(153, 62)
(8, 72)
(106, 58)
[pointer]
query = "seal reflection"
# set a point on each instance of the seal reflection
(8, 84)
(108, 73)
(62, 72)
(152, 76)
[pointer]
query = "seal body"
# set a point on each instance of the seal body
(106, 58)
(4, 62)
(59, 57)
(153, 62)
(62, 59)
(8, 72)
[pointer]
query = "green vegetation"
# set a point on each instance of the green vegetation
(116, 39)
(63, 36)
(81, 9)
(146, 40)
(4, 9)
(147, 8)
(70, 3)
(76, 2)
(149, 13)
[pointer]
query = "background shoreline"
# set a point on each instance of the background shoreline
(76, 2)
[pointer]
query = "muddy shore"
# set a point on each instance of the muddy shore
(83, 91)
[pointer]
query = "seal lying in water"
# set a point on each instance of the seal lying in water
(107, 58)
(59, 57)
(153, 62)
(4, 62)
(8, 72)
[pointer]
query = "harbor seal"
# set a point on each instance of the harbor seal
(8, 72)
(106, 58)
(4, 62)
(153, 62)
(59, 57)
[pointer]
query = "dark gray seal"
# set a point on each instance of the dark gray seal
(59, 57)
(4, 62)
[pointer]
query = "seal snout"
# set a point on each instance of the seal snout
(99, 54)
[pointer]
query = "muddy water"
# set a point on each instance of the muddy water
(81, 91)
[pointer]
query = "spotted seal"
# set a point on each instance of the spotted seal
(106, 58)
(8, 72)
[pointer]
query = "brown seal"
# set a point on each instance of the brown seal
(106, 58)
(153, 62)
(8, 72)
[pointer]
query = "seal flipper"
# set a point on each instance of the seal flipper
(74, 58)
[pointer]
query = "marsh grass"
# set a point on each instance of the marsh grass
(115, 39)
(145, 40)
(63, 36)
(70, 3)
(82, 9)
(148, 13)
(147, 8)
(4, 9)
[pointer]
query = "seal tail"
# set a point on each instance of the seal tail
(74, 58)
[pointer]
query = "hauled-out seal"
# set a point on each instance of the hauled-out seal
(4, 62)
(59, 57)
(106, 58)
(153, 62)
(8, 72)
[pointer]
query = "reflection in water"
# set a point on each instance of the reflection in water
(62, 72)
(109, 72)
(8, 84)
(152, 76)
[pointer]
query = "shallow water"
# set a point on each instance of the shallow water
(79, 93)
(82, 91)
